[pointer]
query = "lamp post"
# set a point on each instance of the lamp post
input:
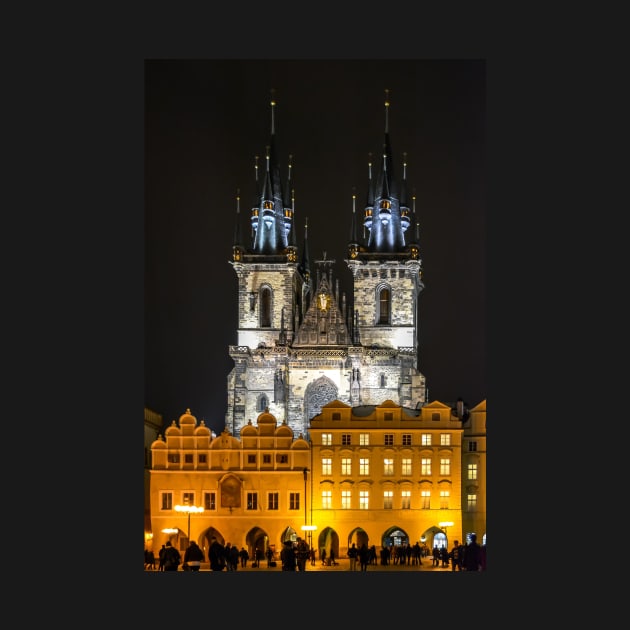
(189, 509)
(305, 473)
(444, 525)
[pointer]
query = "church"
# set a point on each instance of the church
(300, 344)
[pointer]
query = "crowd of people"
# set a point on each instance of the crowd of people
(295, 555)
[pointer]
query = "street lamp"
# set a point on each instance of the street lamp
(189, 509)
(309, 529)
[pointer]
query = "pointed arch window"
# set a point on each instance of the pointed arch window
(263, 403)
(265, 307)
(384, 306)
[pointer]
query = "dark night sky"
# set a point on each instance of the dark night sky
(205, 123)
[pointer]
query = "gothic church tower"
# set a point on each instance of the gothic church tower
(300, 345)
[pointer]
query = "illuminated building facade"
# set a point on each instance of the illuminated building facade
(328, 420)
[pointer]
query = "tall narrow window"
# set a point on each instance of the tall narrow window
(346, 499)
(472, 471)
(425, 466)
(445, 495)
(425, 499)
(364, 466)
(272, 501)
(445, 466)
(405, 466)
(405, 496)
(346, 466)
(388, 499)
(294, 500)
(383, 306)
(326, 499)
(471, 502)
(388, 467)
(209, 501)
(326, 466)
(364, 499)
(265, 307)
(252, 500)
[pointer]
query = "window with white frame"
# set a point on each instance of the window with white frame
(252, 500)
(445, 466)
(188, 498)
(326, 439)
(445, 439)
(388, 499)
(346, 499)
(472, 471)
(166, 500)
(405, 496)
(425, 499)
(425, 439)
(405, 467)
(326, 499)
(364, 466)
(294, 500)
(364, 499)
(272, 501)
(389, 439)
(364, 439)
(209, 500)
(326, 466)
(445, 495)
(388, 467)
(425, 466)
(346, 466)
(406, 439)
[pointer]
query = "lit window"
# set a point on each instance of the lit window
(364, 466)
(471, 502)
(364, 439)
(326, 499)
(445, 439)
(346, 499)
(327, 466)
(364, 500)
(445, 466)
(426, 439)
(445, 495)
(425, 499)
(326, 439)
(425, 466)
(388, 499)
(388, 467)
(405, 496)
(346, 466)
(405, 467)
(472, 471)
